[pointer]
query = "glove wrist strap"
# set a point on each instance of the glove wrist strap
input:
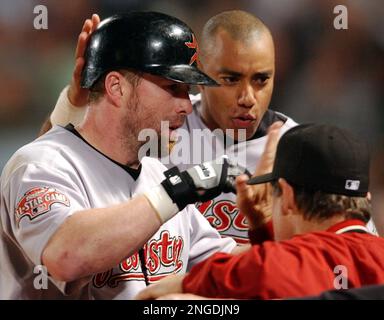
(161, 203)
(180, 187)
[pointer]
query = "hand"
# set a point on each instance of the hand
(77, 95)
(255, 201)
(202, 182)
(167, 285)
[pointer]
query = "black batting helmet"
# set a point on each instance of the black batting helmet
(150, 42)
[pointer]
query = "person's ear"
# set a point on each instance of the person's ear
(287, 197)
(114, 87)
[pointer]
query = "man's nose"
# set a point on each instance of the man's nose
(184, 105)
(247, 96)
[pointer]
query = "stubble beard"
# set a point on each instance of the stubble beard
(130, 128)
(132, 125)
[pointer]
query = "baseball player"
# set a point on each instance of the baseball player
(80, 203)
(320, 208)
(238, 52)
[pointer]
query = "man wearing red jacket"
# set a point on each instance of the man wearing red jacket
(319, 208)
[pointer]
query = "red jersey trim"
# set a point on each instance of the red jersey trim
(348, 225)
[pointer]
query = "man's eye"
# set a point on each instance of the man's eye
(229, 80)
(262, 80)
(177, 88)
(173, 87)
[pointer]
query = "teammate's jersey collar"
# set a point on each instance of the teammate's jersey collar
(351, 225)
(134, 173)
(268, 119)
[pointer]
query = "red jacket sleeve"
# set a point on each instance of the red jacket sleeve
(273, 270)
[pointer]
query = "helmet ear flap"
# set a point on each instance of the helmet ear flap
(150, 42)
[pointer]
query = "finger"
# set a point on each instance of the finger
(273, 136)
(81, 44)
(265, 191)
(241, 183)
(244, 198)
(84, 28)
(87, 26)
(267, 158)
(95, 21)
(276, 125)
(78, 69)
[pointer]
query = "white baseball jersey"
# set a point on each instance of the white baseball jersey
(58, 174)
(201, 144)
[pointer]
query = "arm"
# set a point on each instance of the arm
(70, 106)
(223, 276)
(94, 240)
(255, 201)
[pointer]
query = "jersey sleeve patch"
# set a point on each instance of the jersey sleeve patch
(38, 201)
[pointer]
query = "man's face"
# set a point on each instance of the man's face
(245, 71)
(283, 225)
(156, 99)
(278, 220)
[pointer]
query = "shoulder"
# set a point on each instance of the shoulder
(46, 151)
(324, 240)
(289, 122)
(270, 117)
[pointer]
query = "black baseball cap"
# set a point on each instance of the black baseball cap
(321, 157)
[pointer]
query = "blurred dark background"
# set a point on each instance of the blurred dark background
(323, 74)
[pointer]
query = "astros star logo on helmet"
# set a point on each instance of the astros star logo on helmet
(193, 45)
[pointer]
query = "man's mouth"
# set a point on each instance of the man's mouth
(173, 135)
(244, 121)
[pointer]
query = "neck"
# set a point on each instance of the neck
(305, 226)
(102, 129)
